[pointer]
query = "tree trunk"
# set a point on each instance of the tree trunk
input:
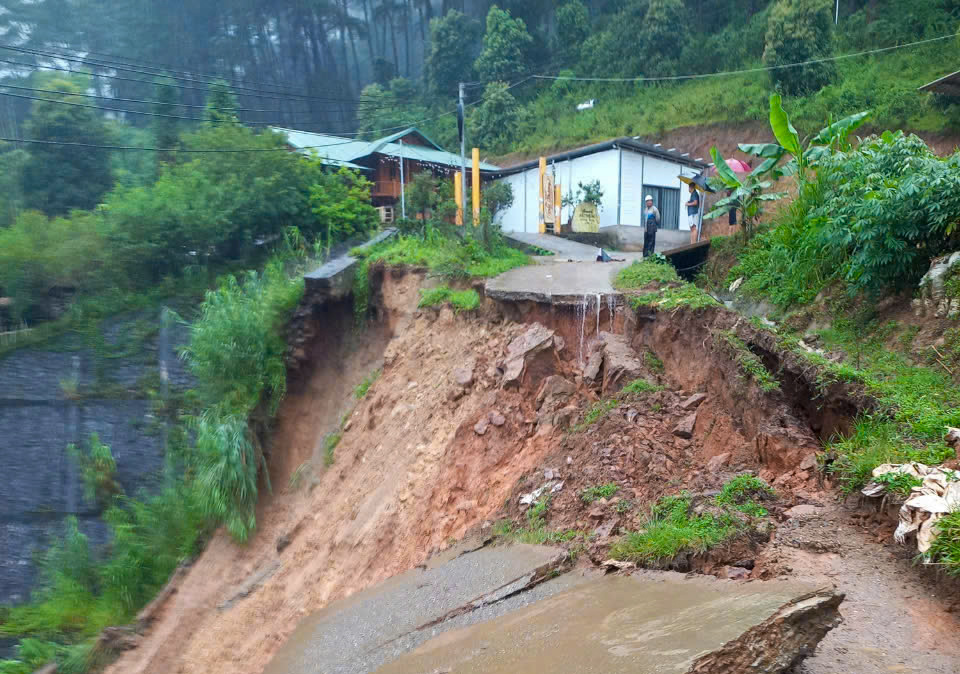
(371, 31)
(356, 59)
(393, 41)
(406, 34)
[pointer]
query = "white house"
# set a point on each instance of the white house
(627, 169)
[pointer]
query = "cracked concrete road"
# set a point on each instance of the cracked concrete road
(376, 626)
(508, 609)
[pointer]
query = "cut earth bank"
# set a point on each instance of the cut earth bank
(473, 413)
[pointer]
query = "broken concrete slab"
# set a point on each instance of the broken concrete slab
(334, 279)
(375, 626)
(523, 349)
(642, 624)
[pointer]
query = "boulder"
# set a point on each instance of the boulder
(693, 401)
(522, 349)
(685, 428)
(620, 363)
(718, 462)
(463, 375)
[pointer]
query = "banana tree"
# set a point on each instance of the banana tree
(746, 194)
(834, 137)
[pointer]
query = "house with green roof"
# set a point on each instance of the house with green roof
(380, 159)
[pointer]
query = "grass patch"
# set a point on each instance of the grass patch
(639, 386)
(460, 300)
(597, 492)
(597, 411)
(672, 528)
(946, 547)
(642, 273)
(330, 444)
(685, 295)
(360, 392)
(536, 531)
(740, 492)
(653, 363)
(749, 363)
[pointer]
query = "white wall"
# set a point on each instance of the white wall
(637, 170)
(511, 219)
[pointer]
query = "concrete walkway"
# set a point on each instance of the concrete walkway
(566, 249)
(558, 282)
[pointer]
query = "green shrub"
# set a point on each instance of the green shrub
(329, 447)
(945, 549)
(97, 470)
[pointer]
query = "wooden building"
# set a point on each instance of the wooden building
(380, 159)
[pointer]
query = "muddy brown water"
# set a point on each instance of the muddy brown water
(640, 625)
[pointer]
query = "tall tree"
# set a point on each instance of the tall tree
(166, 130)
(453, 39)
(494, 123)
(221, 104)
(59, 178)
(505, 47)
(573, 28)
(799, 31)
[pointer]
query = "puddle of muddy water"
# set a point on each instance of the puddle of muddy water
(609, 625)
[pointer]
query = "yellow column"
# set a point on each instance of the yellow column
(458, 196)
(543, 171)
(476, 187)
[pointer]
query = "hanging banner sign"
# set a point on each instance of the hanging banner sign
(549, 199)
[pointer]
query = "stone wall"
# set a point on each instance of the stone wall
(60, 393)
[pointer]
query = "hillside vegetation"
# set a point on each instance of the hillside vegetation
(512, 113)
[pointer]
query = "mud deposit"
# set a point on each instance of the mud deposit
(472, 413)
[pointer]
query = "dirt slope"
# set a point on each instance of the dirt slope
(410, 475)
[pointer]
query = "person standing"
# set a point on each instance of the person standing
(652, 225)
(693, 212)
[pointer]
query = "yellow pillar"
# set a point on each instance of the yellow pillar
(476, 187)
(543, 171)
(458, 196)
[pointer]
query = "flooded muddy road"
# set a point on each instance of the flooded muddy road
(488, 611)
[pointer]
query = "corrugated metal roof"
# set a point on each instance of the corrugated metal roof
(949, 85)
(343, 151)
(627, 142)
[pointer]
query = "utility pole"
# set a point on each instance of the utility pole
(462, 110)
(403, 186)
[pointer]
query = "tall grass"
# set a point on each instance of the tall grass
(236, 353)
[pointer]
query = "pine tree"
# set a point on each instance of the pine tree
(221, 104)
(166, 130)
(505, 47)
(58, 178)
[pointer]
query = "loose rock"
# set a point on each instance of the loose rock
(693, 401)
(685, 428)
(481, 427)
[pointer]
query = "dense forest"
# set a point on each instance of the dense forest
(339, 66)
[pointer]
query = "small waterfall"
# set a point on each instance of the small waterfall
(599, 298)
(582, 317)
(611, 309)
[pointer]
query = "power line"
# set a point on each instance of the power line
(184, 87)
(156, 149)
(144, 113)
(252, 91)
(236, 150)
(746, 71)
(166, 68)
(170, 103)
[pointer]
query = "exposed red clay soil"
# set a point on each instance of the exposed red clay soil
(456, 429)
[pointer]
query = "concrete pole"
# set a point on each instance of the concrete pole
(476, 186)
(403, 186)
(463, 156)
